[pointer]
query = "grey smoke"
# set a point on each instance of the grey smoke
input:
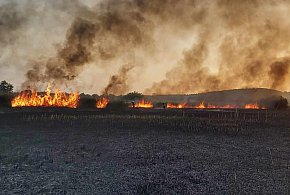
(185, 46)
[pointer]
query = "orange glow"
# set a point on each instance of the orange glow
(102, 103)
(251, 106)
(254, 106)
(59, 99)
(144, 104)
(202, 105)
(182, 105)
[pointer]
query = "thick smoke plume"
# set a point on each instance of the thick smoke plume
(118, 83)
(185, 46)
(92, 38)
(249, 37)
(75, 53)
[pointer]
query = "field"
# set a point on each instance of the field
(155, 151)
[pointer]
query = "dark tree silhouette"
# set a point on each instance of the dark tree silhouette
(282, 103)
(6, 87)
(133, 96)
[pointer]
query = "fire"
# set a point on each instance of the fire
(202, 105)
(251, 106)
(182, 105)
(102, 103)
(254, 106)
(59, 99)
(144, 104)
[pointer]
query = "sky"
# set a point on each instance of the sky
(154, 47)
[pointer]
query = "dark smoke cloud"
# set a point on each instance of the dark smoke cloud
(75, 53)
(94, 37)
(278, 72)
(118, 83)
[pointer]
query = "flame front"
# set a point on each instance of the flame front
(182, 105)
(144, 104)
(59, 99)
(254, 106)
(102, 103)
(202, 105)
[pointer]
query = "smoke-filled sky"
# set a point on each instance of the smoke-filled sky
(151, 46)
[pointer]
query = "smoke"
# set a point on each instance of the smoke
(186, 46)
(69, 59)
(11, 20)
(251, 50)
(278, 72)
(93, 37)
(118, 82)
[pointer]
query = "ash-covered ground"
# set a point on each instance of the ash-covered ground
(63, 151)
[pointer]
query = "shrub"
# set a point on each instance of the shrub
(5, 100)
(282, 103)
(133, 96)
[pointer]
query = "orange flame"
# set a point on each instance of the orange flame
(254, 106)
(202, 105)
(144, 104)
(59, 99)
(182, 105)
(102, 103)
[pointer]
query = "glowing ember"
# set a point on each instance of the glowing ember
(102, 103)
(59, 99)
(144, 104)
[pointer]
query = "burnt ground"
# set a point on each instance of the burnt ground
(62, 151)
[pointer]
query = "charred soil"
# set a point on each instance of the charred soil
(144, 151)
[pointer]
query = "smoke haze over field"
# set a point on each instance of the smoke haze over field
(151, 46)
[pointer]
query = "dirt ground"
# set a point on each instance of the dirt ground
(59, 151)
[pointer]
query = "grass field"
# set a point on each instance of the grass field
(155, 151)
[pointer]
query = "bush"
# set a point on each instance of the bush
(133, 96)
(282, 103)
(5, 100)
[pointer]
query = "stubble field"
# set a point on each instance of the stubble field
(155, 151)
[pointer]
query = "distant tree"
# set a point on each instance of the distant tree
(133, 96)
(6, 87)
(282, 103)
